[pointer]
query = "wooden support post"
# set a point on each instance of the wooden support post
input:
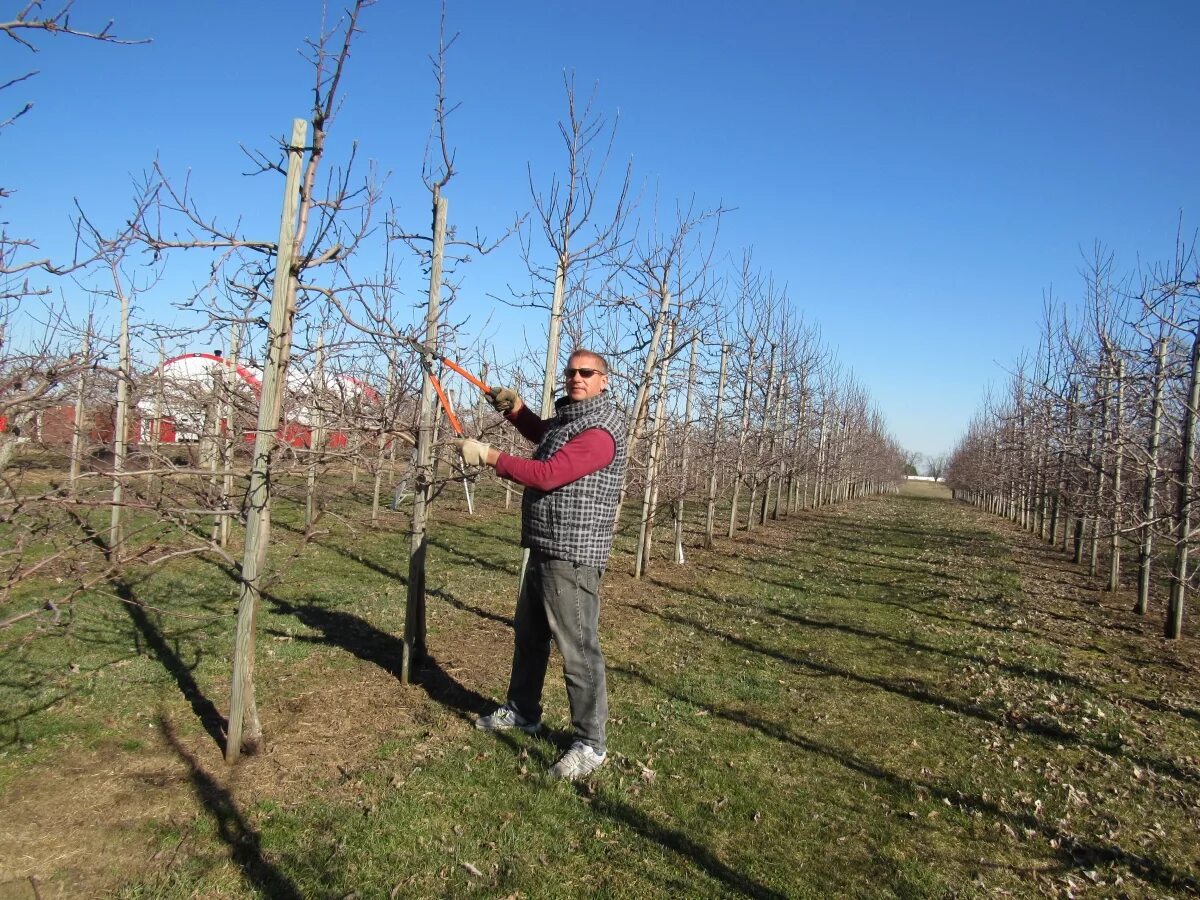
(245, 730)
(413, 652)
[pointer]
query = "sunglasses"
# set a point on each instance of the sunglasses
(585, 373)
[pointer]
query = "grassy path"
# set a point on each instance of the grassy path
(895, 698)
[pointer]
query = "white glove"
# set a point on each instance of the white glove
(474, 453)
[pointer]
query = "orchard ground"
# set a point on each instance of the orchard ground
(898, 696)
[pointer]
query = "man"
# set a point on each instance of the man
(572, 486)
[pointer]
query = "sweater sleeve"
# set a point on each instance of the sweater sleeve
(587, 452)
(526, 421)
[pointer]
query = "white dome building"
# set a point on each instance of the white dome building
(188, 391)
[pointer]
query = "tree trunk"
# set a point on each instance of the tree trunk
(1183, 510)
(1114, 555)
(641, 402)
(1146, 545)
(1101, 473)
(120, 435)
(685, 450)
(779, 440)
(316, 438)
(78, 435)
(646, 527)
(385, 448)
(710, 515)
(743, 435)
(230, 437)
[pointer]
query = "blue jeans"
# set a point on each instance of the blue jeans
(560, 600)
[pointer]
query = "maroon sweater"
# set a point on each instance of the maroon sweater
(587, 452)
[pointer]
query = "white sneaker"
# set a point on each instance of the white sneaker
(578, 762)
(506, 718)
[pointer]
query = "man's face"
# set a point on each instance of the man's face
(581, 386)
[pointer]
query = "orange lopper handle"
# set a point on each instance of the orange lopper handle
(437, 386)
(465, 374)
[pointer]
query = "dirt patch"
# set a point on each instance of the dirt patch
(101, 817)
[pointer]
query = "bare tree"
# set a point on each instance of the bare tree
(1102, 431)
(935, 465)
(32, 23)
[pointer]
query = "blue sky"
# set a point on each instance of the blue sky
(919, 175)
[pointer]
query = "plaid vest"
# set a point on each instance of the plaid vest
(575, 522)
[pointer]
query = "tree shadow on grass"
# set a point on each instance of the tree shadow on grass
(676, 841)
(402, 578)
(15, 721)
(473, 558)
(1072, 851)
(245, 844)
(382, 649)
(385, 650)
(931, 536)
(914, 690)
(819, 590)
(206, 711)
(1040, 673)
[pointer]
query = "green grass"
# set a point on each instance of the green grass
(871, 700)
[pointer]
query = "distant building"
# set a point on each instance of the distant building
(193, 395)
(180, 397)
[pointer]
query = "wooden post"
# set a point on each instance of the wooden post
(413, 652)
(245, 730)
